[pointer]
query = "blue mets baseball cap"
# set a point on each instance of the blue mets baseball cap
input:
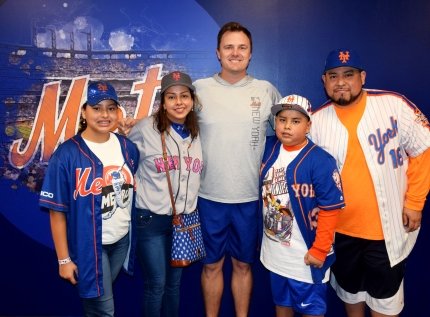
(342, 57)
(99, 91)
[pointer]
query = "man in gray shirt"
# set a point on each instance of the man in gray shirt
(235, 110)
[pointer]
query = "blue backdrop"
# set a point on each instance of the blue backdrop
(49, 47)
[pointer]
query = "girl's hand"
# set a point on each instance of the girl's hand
(69, 272)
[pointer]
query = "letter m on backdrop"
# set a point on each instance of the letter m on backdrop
(49, 127)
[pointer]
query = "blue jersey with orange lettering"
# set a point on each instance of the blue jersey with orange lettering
(313, 183)
(72, 185)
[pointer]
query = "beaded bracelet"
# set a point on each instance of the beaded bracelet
(64, 261)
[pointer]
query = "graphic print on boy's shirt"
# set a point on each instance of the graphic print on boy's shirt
(278, 218)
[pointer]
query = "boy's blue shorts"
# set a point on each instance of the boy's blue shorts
(304, 298)
(229, 229)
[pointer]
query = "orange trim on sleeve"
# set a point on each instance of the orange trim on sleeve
(327, 221)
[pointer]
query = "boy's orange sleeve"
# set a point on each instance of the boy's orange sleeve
(327, 221)
(418, 181)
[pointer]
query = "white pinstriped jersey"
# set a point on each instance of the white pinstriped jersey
(390, 129)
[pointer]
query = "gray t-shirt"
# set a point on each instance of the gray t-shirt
(233, 120)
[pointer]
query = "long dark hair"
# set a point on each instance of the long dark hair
(163, 123)
(82, 121)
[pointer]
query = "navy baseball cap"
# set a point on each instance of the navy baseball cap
(176, 78)
(343, 57)
(99, 91)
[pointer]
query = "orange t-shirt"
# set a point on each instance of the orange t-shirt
(418, 181)
(360, 218)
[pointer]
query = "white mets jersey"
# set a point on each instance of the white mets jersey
(391, 129)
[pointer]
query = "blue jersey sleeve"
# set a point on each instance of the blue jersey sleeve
(327, 182)
(56, 188)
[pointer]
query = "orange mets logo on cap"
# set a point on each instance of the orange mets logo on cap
(344, 56)
(290, 99)
(176, 76)
(102, 87)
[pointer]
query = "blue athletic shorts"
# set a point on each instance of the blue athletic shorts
(229, 229)
(304, 298)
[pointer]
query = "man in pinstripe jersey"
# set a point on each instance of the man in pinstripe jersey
(380, 141)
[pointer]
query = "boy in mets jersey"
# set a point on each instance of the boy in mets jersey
(301, 194)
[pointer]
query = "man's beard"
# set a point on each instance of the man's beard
(346, 102)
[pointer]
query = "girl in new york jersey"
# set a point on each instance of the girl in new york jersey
(88, 188)
(176, 119)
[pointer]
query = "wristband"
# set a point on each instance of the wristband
(64, 261)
